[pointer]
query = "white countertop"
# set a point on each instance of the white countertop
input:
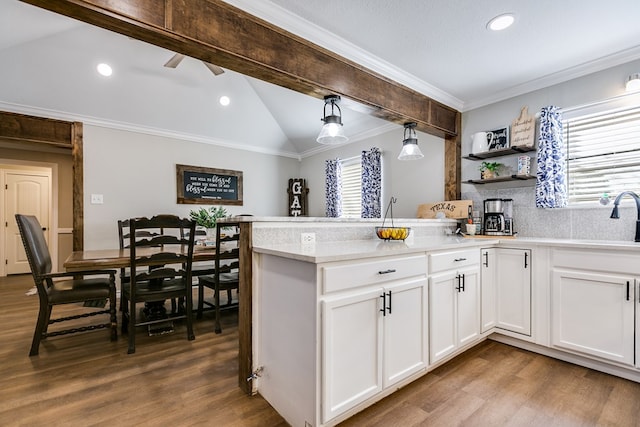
(320, 252)
(345, 250)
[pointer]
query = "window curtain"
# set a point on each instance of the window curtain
(333, 187)
(371, 183)
(551, 185)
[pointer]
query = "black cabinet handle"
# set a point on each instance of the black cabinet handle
(463, 283)
(526, 257)
(391, 270)
(460, 259)
(384, 304)
(459, 287)
(486, 259)
(389, 306)
(627, 290)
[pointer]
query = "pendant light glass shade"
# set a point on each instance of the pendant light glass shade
(633, 83)
(410, 149)
(332, 132)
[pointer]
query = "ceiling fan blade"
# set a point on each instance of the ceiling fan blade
(214, 68)
(174, 61)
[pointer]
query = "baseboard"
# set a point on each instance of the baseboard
(630, 373)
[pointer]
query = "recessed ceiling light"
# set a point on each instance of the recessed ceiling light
(104, 69)
(501, 22)
(224, 100)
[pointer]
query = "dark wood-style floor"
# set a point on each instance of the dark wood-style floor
(86, 380)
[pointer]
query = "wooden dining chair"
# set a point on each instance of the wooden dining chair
(159, 270)
(201, 268)
(64, 288)
(142, 238)
(226, 272)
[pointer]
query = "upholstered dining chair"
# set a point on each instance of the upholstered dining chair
(64, 288)
(226, 271)
(160, 270)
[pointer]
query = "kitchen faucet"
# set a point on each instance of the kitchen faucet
(615, 215)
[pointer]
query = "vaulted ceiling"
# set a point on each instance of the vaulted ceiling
(439, 48)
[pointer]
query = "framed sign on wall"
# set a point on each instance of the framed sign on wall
(208, 186)
(498, 139)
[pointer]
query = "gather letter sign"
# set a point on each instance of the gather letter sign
(297, 197)
(208, 186)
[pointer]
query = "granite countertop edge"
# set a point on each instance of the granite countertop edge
(321, 252)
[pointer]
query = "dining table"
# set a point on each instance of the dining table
(119, 258)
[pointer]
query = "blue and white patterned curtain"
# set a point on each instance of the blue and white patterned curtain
(333, 187)
(551, 186)
(371, 183)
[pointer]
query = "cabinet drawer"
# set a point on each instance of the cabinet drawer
(341, 276)
(442, 261)
(614, 261)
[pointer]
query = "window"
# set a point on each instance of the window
(351, 190)
(603, 153)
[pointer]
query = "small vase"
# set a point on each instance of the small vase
(487, 174)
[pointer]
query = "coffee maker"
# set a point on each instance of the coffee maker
(498, 217)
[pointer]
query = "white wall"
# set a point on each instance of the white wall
(590, 222)
(410, 182)
(136, 174)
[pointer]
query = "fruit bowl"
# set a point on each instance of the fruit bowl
(393, 233)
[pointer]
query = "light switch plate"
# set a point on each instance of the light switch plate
(97, 199)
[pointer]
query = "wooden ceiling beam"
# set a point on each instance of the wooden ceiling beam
(216, 32)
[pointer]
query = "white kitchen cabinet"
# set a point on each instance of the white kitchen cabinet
(454, 302)
(488, 294)
(592, 304)
(336, 335)
(371, 340)
(593, 313)
(506, 289)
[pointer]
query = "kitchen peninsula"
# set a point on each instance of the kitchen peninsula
(339, 324)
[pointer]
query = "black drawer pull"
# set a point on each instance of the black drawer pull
(460, 259)
(391, 270)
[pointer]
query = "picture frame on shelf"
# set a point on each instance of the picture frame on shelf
(498, 139)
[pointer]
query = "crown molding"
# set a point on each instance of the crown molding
(600, 64)
(147, 130)
(369, 133)
(294, 24)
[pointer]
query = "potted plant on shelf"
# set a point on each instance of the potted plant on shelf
(208, 218)
(489, 170)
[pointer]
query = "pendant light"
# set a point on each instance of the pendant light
(633, 82)
(410, 149)
(332, 132)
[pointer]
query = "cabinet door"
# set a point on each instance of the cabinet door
(513, 290)
(468, 310)
(593, 313)
(488, 294)
(405, 333)
(351, 351)
(442, 315)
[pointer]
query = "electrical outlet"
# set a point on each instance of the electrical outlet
(307, 238)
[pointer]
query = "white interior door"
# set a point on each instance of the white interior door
(28, 193)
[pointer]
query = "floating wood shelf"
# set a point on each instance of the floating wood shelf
(498, 153)
(501, 179)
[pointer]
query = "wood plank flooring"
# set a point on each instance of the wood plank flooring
(86, 380)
